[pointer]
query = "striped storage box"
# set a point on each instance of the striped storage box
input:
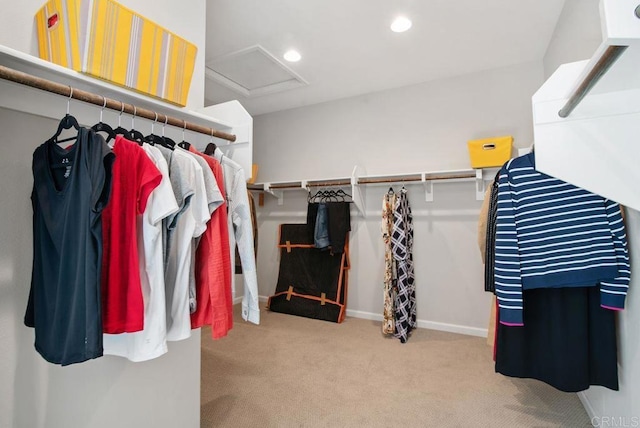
(108, 41)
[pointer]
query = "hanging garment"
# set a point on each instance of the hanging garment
(489, 237)
(402, 246)
(214, 200)
(187, 181)
(135, 176)
(486, 243)
(213, 267)
(321, 229)
(389, 281)
(68, 201)
(254, 226)
(568, 340)
(551, 234)
(328, 223)
(240, 233)
(151, 342)
(311, 283)
(482, 223)
(339, 222)
(312, 216)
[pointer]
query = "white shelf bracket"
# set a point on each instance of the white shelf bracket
(428, 187)
(480, 189)
(356, 192)
(279, 194)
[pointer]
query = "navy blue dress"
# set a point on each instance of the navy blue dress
(70, 189)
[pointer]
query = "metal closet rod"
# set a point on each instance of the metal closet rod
(611, 54)
(372, 180)
(414, 177)
(88, 97)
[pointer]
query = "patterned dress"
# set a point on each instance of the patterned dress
(388, 314)
(402, 247)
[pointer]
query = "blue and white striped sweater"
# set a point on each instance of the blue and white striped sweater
(552, 234)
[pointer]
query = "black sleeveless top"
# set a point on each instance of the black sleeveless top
(70, 189)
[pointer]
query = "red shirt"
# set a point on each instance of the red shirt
(213, 267)
(134, 178)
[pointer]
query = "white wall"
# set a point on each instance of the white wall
(109, 391)
(416, 128)
(576, 38)
(577, 34)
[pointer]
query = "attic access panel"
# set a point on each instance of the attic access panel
(253, 72)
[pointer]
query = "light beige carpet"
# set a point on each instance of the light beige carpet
(297, 372)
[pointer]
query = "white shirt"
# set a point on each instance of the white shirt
(151, 342)
(241, 232)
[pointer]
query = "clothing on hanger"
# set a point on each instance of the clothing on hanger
(582, 232)
(568, 340)
(254, 225)
(390, 269)
(64, 299)
(189, 222)
(165, 198)
(561, 270)
(240, 233)
(151, 342)
(214, 199)
(402, 247)
(135, 176)
(213, 267)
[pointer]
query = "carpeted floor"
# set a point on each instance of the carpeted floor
(297, 372)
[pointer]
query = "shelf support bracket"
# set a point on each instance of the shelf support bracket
(428, 187)
(279, 194)
(480, 189)
(356, 192)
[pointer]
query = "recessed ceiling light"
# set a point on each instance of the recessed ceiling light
(292, 56)
(400, 24)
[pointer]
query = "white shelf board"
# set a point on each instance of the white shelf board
(479, 176)
(37, 67)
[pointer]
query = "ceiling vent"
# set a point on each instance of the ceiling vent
(252, 72)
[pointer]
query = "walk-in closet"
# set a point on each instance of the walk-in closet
(319, 214)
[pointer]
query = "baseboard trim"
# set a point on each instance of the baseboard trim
(431, 325)
(586, 403)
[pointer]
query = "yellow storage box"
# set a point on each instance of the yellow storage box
(490, 152)
(106, 40)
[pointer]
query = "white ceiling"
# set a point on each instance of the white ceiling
(347, 48)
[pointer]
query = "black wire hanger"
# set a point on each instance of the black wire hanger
(67, 122)
(211, 147)
(184, 144)
(342, 194)
(103, 127)
(166, 141)
(120, 130)
(134, 134)
(153, 138)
